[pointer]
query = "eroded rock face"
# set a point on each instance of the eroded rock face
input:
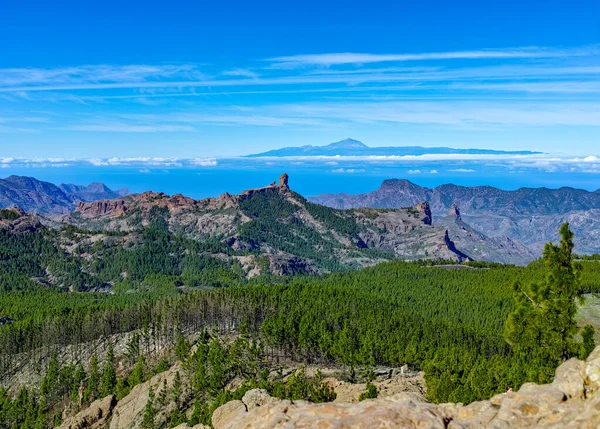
(571, 401)
(283, 181)
(129, 411)
(454, 211)
(116, 208)
(424, 209)
(95, 416)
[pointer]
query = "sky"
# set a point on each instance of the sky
(196, 79)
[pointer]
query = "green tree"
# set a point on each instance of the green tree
(108, 381)
(93, 382)
(370, 393)
(149, 412)
(542, 326)
(78, 378)
(176, 389)
(137, 374)
(182, 350)
(588, 344)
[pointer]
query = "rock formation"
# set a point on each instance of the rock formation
(424, 208)
(283, 181)
(571, 401)
(114, 208)
(454, 212)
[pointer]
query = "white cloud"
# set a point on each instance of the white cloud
(433, 172)
(362, 58)
(348, 170)
(414, 171)
(241, 72)
(463, 170)
(145, 171)
(204, 162)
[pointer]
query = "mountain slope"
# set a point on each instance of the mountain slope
(350, 147)
(528, 215)
(280, 226)
(33, 195)
(480, 247)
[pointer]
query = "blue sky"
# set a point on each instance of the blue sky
(208, 79)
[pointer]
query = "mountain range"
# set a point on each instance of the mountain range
(33, 195)
(527, 215)
(280, 227)
(350, 147)
(276, 227)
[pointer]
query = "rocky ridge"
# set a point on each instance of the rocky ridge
(530, 216)
(406, 233)
(570, 401)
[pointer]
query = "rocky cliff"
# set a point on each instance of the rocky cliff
(571, 401)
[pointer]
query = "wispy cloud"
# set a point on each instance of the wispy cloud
(348, 170)
(96, 74)
(241, 72)
(484, 89)
(362, 58)
(128, 128)
(463, 170)
(342, 69)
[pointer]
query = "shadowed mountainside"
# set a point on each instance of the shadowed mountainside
(34, 195)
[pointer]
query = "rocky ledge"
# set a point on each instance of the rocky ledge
(571, 401)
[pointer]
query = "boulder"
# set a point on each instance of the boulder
(398, 411)
(225, 414)
(570, 379)
(592, 372)
(256, 398)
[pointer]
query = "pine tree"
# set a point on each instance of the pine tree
(162, 395)
(137, 375)
(122, 388)
(182, 350)
(50, 380)
(176, 389)
(149, 412)
(108, 381)
(542, 327)
(93, 382)
(588, 344)
(78, 378)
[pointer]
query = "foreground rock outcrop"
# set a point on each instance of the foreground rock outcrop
(571, 401)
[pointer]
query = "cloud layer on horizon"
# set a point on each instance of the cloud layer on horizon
(414, 164)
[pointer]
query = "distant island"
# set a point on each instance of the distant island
(351, 147)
